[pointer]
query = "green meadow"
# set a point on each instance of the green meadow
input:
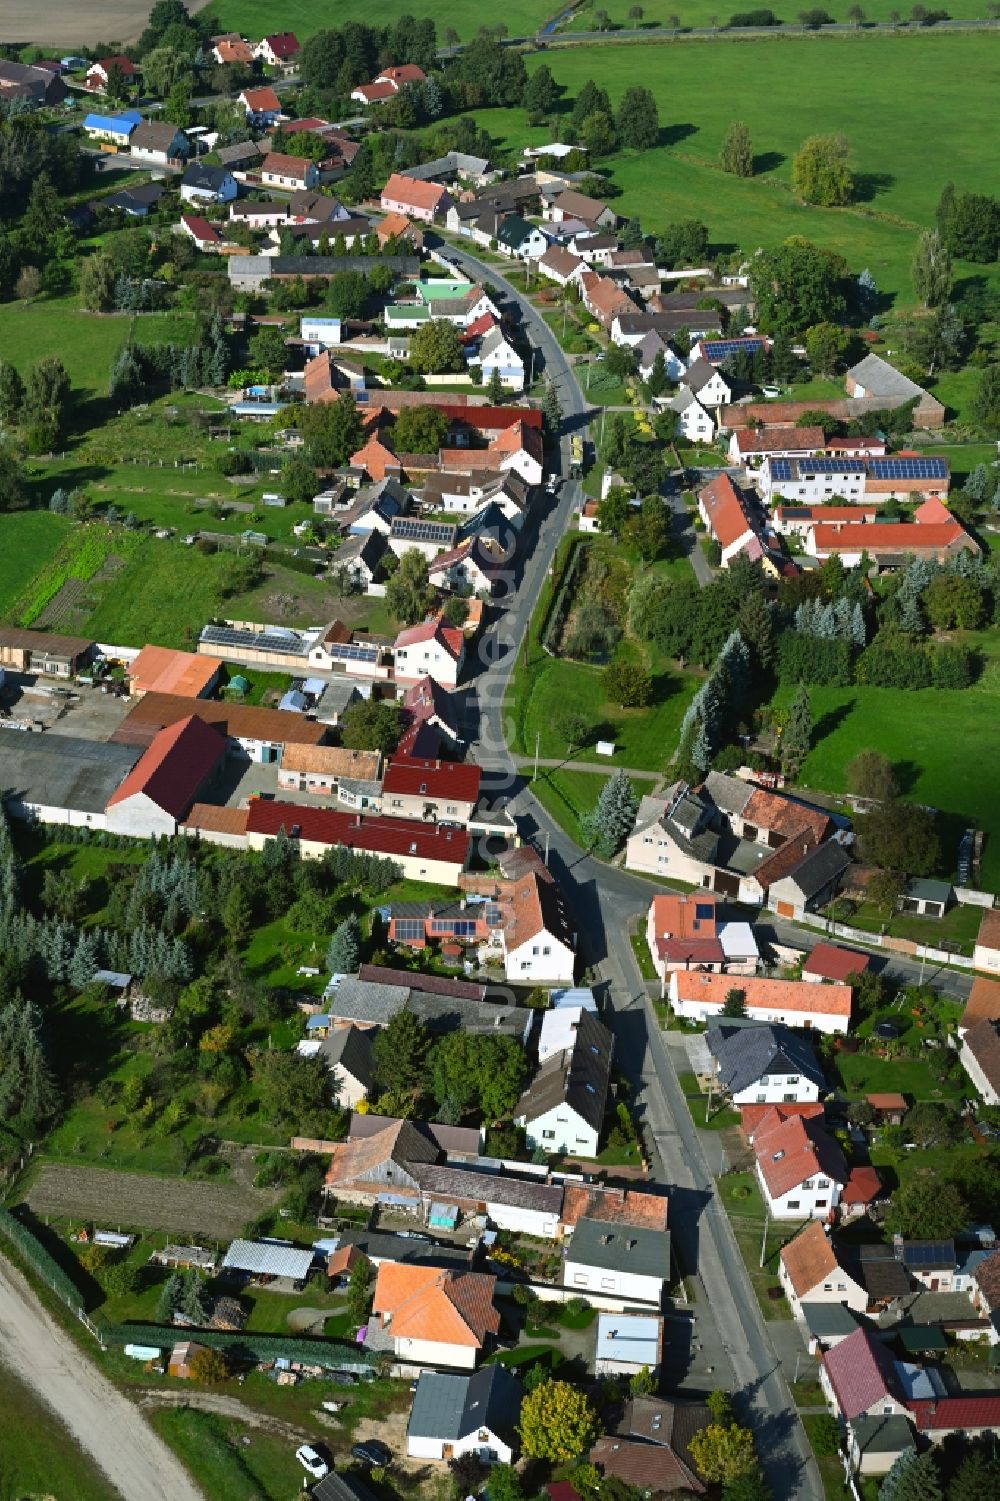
(912, 106)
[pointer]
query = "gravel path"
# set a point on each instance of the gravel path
(104, 1423)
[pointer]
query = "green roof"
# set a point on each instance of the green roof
(433, 291)
(405, 313)
(929, 1338)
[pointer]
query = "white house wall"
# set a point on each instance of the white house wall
(569, 1132)
(584, 1280)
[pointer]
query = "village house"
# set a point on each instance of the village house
(424, 201)
(859, 1378)
(982, 1005)
(262, 106)
(431, 649)
(455, 1415)
(562, 1109)
(980, 1055)
(389, 83)
(707, 383)
(571, 206)
(814, 481)
(752, 445)
(359, 559)
(800, 1168)
(430, 1317)
(280, 50)
(397, 226)
(446, 791)
(159, 143)
(650, 1447)
(204, 184)
(179, 764)
(683, 932)
(321, 768)
(231, 49)
(727, 521)
(615, 1260)
(347, 1053)
(694, 422)
(810, 1274)
(35, 85)
(44, 653)
(763, 1063)
(254, 734)
(890, 544)
(497, 354)
(281, 171)
(603, 298)
(116, 129)
(697, 996)
(560, 265)
(538, 940)
(424, 852)
(203, 235)
(100, 72)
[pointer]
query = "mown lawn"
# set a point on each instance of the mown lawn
(940, 743)
(860, 1074)
(699, 13)
(85, 342)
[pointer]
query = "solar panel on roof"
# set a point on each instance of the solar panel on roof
(349, 651)
(721, 349)
(781, 468)
(221, 635)
(899, 468)
(834, 466)
(423, 531)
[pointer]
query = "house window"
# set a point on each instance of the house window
(762, 1099)
(823, 1183)
(793, 1203)
(579, 1279)
(793, 1078)
(828, 1287)
(820, 1203)
(548, 1135)
(608, 1283)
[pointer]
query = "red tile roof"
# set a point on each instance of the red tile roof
(175, 766)
(989, 929)
(792, 1150)
(727, 520)
(955, 1413)
(862, 1187)
(281, 165)
(888, 536)
(983, 1003)
(861, 1372)
(425, 1303)
(783, 815)
(158, 669)
(374, 93)
(381, 836)
(441, 779)
(792, 996)
(809, 1258)
(201, 229)
(451, 637)
(834, 963)
(283, 44)
(422, 195)
(778, 439)
(932, 510)
(261, 101)
(752, 1115)
(403, 73)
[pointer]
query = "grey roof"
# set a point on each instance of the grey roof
(342, 1486)
(62, 771)
(744, 1054)
(454, 1407)
(352, 1050)
(683, 399)
(204, 175)
(578, 1077)
(144, 195)
(823, 864)
(444, 166)
(621, 1248)
(929, 891)
(874, 1265)
(663, 1421)
(242, 151)
(382, 1246)
(449, 1182)
(445, 1014)
(879, 378)
(514, 231)
(338, 695)
(827, 1320)
(461, 1140)
(729, 794)
(362, 1001)
(883, 1433)
(154, 135)
(698, 374)
(365, 547)
(269, 1259)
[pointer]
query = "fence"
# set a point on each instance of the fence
(560, 606)
(248, 1346)
(42, 1262)
(903, 946)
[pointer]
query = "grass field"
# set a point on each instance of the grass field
(940, 743)
(255, 17)
(935, 88)
(37, 1455)
(85, 342)
(698, 13)
(224, 1466)
(28, 540)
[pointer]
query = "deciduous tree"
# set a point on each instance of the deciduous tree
(933, 278)
(408, 594)
(821, 172)
(737, 150)
(557, 1422)
(723, 1453)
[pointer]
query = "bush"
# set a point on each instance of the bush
(813, 659)
(754, 18)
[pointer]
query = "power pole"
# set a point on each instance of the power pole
(538, 738)
(763, 1244)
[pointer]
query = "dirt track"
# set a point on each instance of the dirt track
(52, 23)
(103, 1422)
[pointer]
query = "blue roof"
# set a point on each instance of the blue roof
(124, 123)
(292, 700)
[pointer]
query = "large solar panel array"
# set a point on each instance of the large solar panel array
(928, 1253)
(899, 468)
(351, 651)
(721, 349)
(221, 635)
(423, 531)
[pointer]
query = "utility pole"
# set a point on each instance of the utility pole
(763, 1244)
(538, 738)
(547, 836)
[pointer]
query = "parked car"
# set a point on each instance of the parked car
(312, 1462)
(372, 1452)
